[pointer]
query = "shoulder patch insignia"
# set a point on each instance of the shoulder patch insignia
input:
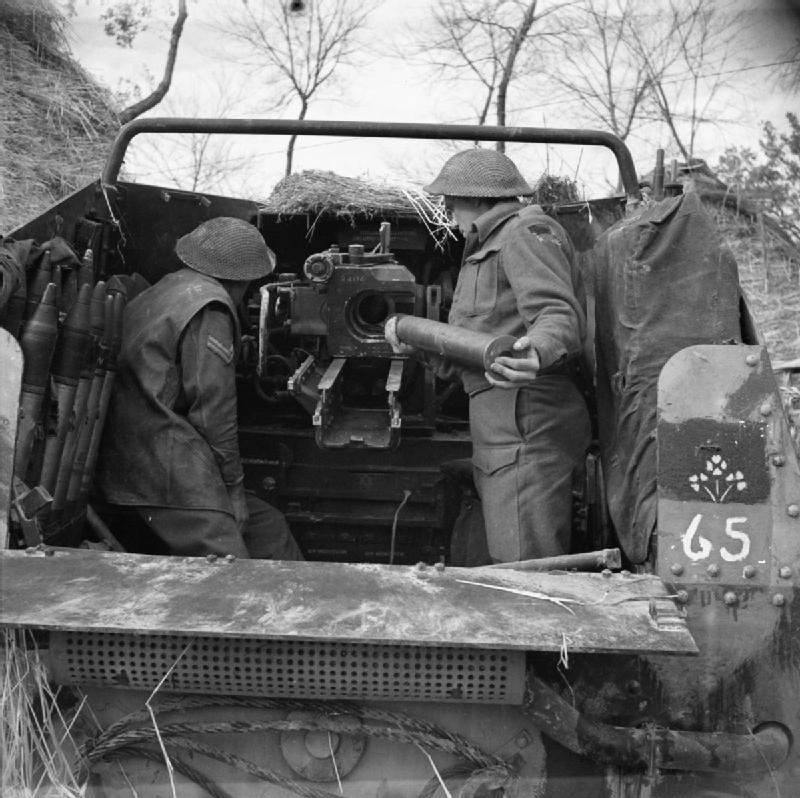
(219, 349)
(545, 234)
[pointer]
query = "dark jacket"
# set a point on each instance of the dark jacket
(170, 437)
(519, 277)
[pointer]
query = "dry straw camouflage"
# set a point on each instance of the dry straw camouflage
(226, 248)
(479, 173)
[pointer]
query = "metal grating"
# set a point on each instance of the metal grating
(288, 669)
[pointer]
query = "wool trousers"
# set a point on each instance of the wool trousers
(529, 448)
(191, 532)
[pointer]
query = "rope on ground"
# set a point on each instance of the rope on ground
(222, 756)
(435, 742)
(457, 771)
(461, 745)
(126, 736)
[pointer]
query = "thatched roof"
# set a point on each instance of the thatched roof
(58, 120)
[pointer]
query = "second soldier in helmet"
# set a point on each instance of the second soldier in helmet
(172, 454)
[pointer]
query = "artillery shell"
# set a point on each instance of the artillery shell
(68, 363)
(71, 348)
(92, 410)
(86, 270)
(97, 315)
(38, 342)
(467, 347)
(105, 395)
(38, 285)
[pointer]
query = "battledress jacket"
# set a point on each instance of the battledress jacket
(519, 277)
(171, 435)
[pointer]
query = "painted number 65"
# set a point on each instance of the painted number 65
(696, 547)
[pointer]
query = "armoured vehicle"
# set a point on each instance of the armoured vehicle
(381, 666)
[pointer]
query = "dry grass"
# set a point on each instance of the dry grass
(769, 273)
(35, 739)
(59, 122)
(317, 192)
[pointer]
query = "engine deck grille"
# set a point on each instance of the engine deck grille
(288, 669)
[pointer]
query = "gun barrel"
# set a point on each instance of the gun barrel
(466, 347)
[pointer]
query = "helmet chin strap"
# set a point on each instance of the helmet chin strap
(465, 210)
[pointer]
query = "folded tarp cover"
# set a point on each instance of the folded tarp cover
(664, 281)
(19, 260)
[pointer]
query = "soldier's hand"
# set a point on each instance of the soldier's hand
(390, 334)
(515, 372)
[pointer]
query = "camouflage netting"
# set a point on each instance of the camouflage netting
(552, 189)
(58, 122)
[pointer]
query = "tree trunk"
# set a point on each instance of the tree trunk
(158, 94)
(508, 67)
(293, 139)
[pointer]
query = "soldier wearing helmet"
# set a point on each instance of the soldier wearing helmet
(528, 420)
(170, 452)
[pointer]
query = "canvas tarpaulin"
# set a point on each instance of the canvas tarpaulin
(664, 281)
(19, 261)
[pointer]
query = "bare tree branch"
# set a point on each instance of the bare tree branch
(789, 71)
(196, 161)
(601, 69)
(158, 94)
(685, 66)
(296, 53)
(490, 43)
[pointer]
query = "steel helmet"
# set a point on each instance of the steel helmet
(226, 248)
(479, 173)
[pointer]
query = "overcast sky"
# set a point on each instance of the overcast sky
(207, 77)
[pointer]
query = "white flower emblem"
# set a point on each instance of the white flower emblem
(716, 480)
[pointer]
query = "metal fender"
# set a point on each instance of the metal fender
(728, 542)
